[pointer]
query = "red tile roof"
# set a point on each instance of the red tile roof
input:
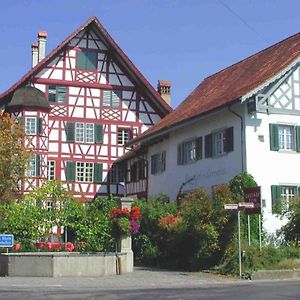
(228, 85)
(155, 98)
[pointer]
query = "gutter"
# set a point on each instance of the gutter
(242, 133)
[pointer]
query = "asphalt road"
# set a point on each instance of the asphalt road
(146, 284)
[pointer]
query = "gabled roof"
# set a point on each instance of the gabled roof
(228, 86)
(120, 56)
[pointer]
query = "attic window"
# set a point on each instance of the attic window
(57, 94)
(87, 60)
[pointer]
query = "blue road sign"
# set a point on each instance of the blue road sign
(6, 240)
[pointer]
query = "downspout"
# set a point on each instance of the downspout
(242, 133)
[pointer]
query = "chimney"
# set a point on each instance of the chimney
(42, 35)
(34, 54)
(164, 89)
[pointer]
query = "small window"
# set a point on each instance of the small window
(158, 163)
(30, 126)
(84, 172)
(124, 135)
(189, 151)
(51, 169)
(111, 98)
(87, 60)
(57, 94)
(84, 132)
(281, 195)
(287, 137)
(33, 168)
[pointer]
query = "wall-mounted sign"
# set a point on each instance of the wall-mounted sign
(6, 240)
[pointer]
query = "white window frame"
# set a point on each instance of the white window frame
(51, 169)
(123, 135)
(218, 143)
(286, 137)
(189, 151)
(84, 171)
(31, 125)
(288, 193)
(111, 98)
(84, 132)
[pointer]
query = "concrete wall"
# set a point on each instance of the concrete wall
(60, 264)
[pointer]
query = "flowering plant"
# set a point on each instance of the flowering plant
(125, 221)
(170, 222)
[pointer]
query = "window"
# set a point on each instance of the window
(30, 126)
(84, 132)
(284, 137)
(84, 172)
(57, 94)
(138, 170)
(124, 135)
(116, 174)
(87, 60)
(219, 143)
(33, 168)
(281, 194)
(111, 98)
(189, 151)
(51, 169)
(158, 163)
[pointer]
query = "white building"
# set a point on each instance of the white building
(245, 118)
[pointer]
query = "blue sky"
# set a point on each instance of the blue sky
(183, 41)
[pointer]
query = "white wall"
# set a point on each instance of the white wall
(206, 172)
(270, 167)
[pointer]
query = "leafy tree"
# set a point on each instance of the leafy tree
(13, 158)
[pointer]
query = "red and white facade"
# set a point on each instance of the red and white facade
(98, 99)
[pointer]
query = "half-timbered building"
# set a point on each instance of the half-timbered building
(80, 104)
(245, 118)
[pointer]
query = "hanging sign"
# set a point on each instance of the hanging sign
(253, 195)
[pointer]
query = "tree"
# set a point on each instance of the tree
(13, 158)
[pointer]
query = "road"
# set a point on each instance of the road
(146, 284)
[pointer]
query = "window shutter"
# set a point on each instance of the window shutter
(91, 60)
(208, 146)
(298, 138)
(276, 195)
(70, 132)
(98, 173)
(81, 60)
(163, 161)
(61, 94)
(38, 164)
(39, 125)
(106, 97)
(228, 143)
(179, 154)
(98, 133)
(274, 137)
(152, 164)
(70, 171)
(199, 154)
(115, 98)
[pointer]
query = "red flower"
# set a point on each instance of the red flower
(69, 247)
(135, 213)
(16, 246)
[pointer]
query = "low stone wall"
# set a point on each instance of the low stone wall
(64, 264)
(276, 274)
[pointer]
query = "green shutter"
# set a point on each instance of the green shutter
(39, 125)
(70, 171)
(208, 146)
(298, 138)
(274, 137)
(81, 60)
(276, 195)
(106, 98)
(199, 153)
(61, 94)
(228, 143)
(163, 161)
(98, 173)
(52, 93)
(91, 60)
(38, 164)
(70, 132)
(98, 133)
